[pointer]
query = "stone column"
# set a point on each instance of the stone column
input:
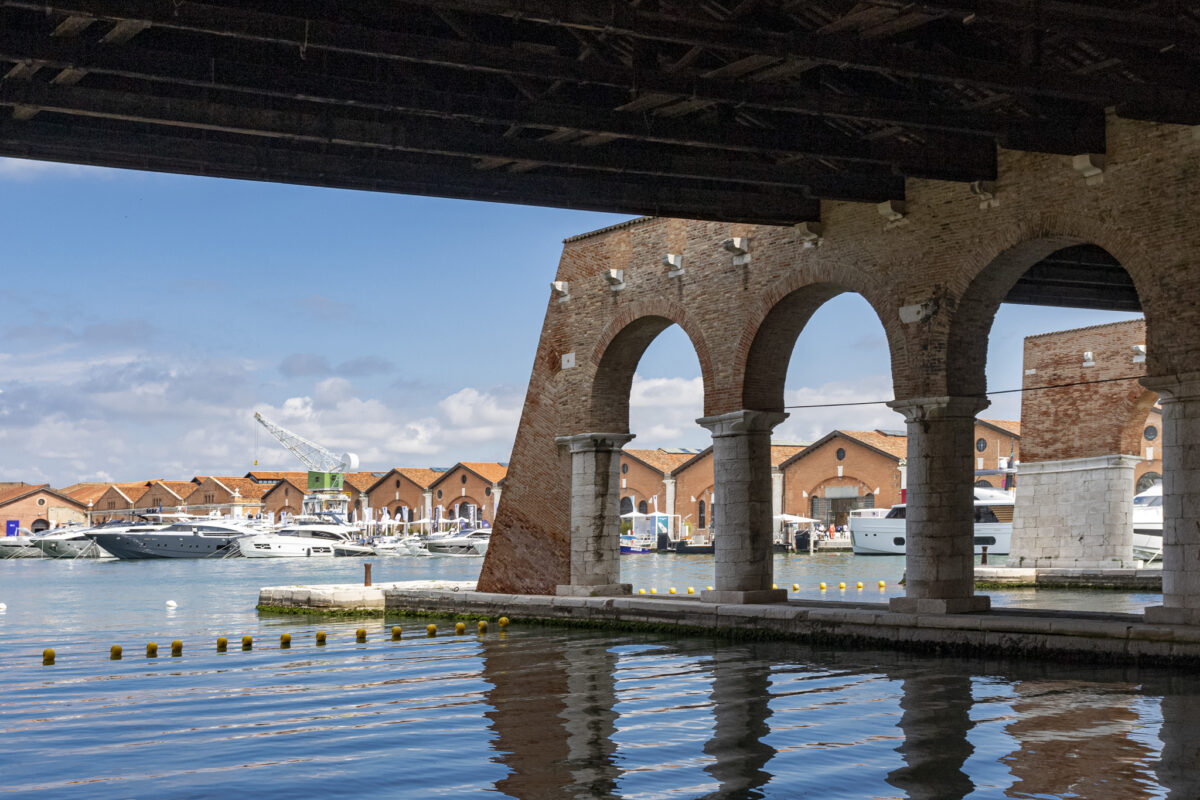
(1180, 398)
(940, 534)
(669, 505)
(776, 500)
(742, 507)
(595, 514)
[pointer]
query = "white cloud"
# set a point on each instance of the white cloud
(810, 424)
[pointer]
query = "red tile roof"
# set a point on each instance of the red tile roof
(361, 480)
(488, 470)
(421, 476)
(246, 487)
(15, 492)
(1010, 425)
(659, 459)
(782, 452)
(892, 445)
(85, 492)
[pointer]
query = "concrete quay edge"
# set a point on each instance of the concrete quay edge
(1133, 580)
(1055, 635)
(1004, 632)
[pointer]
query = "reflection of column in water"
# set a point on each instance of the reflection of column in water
(1075, 740)
(589, 718)
(935, 720)
(551, 708)
(740, 696)
(1178, 769)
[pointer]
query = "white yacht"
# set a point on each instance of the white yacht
(466, 543)
(1148, 524)
(201, 537)
(73, 541)
(318, 536)
(887, 535)
(23, 545)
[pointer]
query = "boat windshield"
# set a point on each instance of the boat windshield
(897, 512)
(1148, 501)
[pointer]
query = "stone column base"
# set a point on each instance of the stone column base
(754, 596)
(931, 605)
(603, 590)
(1171, 615)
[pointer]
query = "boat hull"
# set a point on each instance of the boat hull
(19, 549)
(889, 537)
(298, 547)
(133, 546)
(71, 548)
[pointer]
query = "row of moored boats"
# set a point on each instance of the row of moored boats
(322, 535)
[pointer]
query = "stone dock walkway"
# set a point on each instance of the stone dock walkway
(1060, 635)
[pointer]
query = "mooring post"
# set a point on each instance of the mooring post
(983, 561)
(367, 574)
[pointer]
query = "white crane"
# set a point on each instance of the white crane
(311, 454)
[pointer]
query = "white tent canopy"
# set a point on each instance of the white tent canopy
(795, 519)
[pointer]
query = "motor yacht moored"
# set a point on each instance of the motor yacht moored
(1148, 524)
(319, 536)
(73, 541)
(196, 538)
(887, 535)
(23, 545)
(467, 543)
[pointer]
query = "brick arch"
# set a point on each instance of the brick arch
(1134, 426)
(776, 321)
(618, 350)
(993, 272)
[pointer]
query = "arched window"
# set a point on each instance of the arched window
(982, 482)
(1146, 481)
(626, 505)
(642, 508)
(701, 521)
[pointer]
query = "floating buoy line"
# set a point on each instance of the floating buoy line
(320, 638)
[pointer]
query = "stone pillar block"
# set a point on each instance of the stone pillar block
(595, 514)
(940, 529)
(742, 506)
(1180, 398)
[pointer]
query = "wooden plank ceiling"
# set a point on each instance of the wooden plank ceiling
(742, 111)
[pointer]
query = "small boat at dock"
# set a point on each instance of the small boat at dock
(888, 535)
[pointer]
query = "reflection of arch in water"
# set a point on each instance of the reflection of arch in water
(935, 719)
(741, 693)
(552, 711)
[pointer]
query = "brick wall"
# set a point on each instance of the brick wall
(1089, 418)
(948, 256)
(816, 470)
(41, 506)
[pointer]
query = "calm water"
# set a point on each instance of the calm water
(538, 712)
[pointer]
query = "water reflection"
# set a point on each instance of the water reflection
(551, 708)
(741, 707)
(775, 714)
(936, 720)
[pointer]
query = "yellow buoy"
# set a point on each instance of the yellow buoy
(431, 630)
(822, 586)
(285, 641)
(47, 657)
(222, 644)
(176, 648)
(320, 638)
(152, 650)
(774, 586)
(842, 585)
(502, 622)
(882, 584)
(858, 585)
(115, 652)
(460, 628)
(483, 626)
(641, 591)
(709, 588)
(654, 591)
(247, 642)
(360, 635)
(671, 590)
(795, 587)
(396, 632)
(691, 590)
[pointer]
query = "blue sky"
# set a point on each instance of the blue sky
(145, 317)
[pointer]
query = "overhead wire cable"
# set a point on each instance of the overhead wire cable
(981, 396)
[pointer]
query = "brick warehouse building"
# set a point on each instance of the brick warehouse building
(934, 271)
(1093, 434)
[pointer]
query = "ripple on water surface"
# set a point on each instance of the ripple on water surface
(535, 712)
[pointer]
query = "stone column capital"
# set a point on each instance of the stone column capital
(743, 422)
(923, 409)
(594, 442)
(1174, 388)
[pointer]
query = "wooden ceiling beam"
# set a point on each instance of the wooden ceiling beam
(280, 162)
